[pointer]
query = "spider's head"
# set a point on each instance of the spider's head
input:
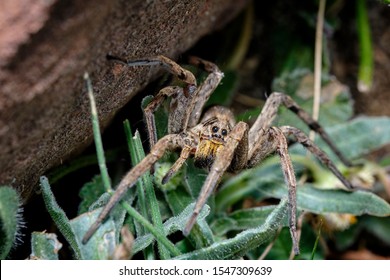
(214, 128)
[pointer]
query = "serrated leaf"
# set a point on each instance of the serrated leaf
(102, 244)
(244, 241)
(44, 246)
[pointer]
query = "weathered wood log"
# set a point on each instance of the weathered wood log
(46, 46)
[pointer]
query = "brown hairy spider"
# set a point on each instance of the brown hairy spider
(216, 141)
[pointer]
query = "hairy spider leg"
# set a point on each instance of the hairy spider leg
(181, 97)
(184, 155)
(269, 112)
(160, 60)
(270, 140)
(154, 104)
(220, 165)
(168, 142)
(289, 177)
(303, 139)
(205, 89)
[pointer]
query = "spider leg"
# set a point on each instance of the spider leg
(205, 89)
(269, 112)
(185, 153)
(160, 60)
(153, 106)
(321, 155)
(182, 97)
(168, 142)
(221, 163)
(289, 176)
(272, 139)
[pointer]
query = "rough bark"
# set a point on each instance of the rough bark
(46, 46)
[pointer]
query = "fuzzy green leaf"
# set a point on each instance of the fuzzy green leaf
(59, 217)
(245, 184)
(201, 234)
(194, 178)
(243, 219)
(355, 138)
(10, 219)
(262, 184)
(361, 135)
(331, 201)
(102, 244)
(44, 246)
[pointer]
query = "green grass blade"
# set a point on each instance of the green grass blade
(97, 136)
(316, 242)
(140, 186)
(157, 234)
(59, 217)
(151, 201)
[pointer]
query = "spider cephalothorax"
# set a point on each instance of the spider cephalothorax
(214, 127)
(216, 141)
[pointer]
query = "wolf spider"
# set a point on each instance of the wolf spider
(215, 140)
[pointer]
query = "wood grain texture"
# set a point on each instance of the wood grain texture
(46, 46)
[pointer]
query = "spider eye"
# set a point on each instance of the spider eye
(224, 132)
(215, 129)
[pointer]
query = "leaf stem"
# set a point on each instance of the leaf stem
(366, 63)
(317, 239)
(318, 63)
